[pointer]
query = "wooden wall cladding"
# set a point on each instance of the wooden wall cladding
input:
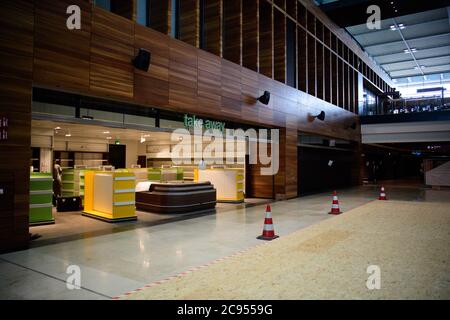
(250, 34)
(231, 41)
(16, 63)
(285, 181)
(209, 86)
(279, 46)
(186, 79)
(212, 27)
(158, 12)
(152, 87)
(346, 100)
(183, 70)
(112, 49)
(311, 45)
(340, 82)
(265, 39)
(334, 80)
(327, 75)
(320, 69)
(189, 22)
(257, 185)
(291, 8)
(301, 14)
(125, 9)
(61, 56)
(302, 60)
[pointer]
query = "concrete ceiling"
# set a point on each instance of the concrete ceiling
(418, 46)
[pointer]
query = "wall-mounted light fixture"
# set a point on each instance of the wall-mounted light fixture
(265, 98)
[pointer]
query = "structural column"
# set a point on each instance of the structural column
(16, 64)
(286, 178)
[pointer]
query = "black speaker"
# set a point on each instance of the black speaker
(265, 98)
(321, 116)
(142, 60)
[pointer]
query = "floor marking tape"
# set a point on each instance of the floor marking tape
(180, 275)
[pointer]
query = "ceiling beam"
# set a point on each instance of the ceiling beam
(421, 59)
(347, 13)
(407, 25)
(409, 68)
(422, 49)
(447, 34)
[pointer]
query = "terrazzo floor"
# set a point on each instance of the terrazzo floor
(121, 261)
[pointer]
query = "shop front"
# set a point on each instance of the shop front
(119, 163)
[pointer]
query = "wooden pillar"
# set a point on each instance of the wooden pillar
(16, 64)
(320, 71)
(312, 69)
(265, 39)
(189, 16)
(327, 74)
(231, 39)
(212, 27)
(123, 8)
(279, 46)
(334, 79)
(250, 34)
(302, 60)
(286, 178)
(159, 12)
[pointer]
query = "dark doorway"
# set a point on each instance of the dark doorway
(323, 169)
(117, 155)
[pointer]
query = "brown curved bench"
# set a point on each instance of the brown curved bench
(177, 197)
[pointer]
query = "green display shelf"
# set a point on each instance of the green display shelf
(41, 193)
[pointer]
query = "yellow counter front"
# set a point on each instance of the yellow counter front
(229, 182)
(109, 196)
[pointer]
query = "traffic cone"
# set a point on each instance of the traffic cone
(268, 231)
(335, 205)
(382, 194)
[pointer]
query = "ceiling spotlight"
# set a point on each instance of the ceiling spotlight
(58, 128)
(265, 98)
(68, 134)
(106, 132)
(108, 138)
(320, 116)
(142, 139)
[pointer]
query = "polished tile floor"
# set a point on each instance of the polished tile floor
(112, 264)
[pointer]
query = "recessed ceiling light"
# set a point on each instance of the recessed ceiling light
(106, 132)
(58, 128)
(68, 135)
(108, 138)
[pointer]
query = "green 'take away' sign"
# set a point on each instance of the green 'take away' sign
(194, 122)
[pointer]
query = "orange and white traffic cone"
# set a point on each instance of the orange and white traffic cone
(335, 205)
(382, 194)
(268, 230)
